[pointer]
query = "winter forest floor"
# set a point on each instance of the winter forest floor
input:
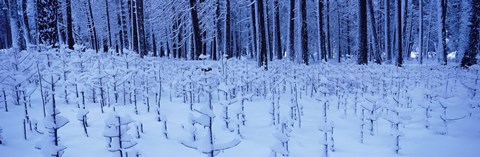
(166, 108)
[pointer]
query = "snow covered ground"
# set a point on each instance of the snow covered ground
(433, 110)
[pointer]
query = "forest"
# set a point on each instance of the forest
(386, 31)
(236, 78)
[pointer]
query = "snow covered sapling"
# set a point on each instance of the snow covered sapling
(282, 137)
(50, 145)
(82, 117)
(116, 131)
(328, 140)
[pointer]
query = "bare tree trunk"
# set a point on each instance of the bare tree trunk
(387, 37)
(321, 33)
(378, 57)
(70, 40)
(262, 60)
(278, 42)
(291, 31)
(444, 30)
(471, 52)
(362, 37)
(399, 33)
(196, 28)
(142, 41)
(420, 29)
(304, 33)
(228, 43)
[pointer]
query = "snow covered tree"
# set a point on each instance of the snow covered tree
(47, 22)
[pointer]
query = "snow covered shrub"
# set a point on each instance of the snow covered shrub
(116, 128)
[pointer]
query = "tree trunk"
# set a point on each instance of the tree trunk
(262, 60)
(278, 42)
(377, 53)
(123, 24)
(399, 33)
(134, 23)
(196, 28)
(8, 27)
(26, 24)
(291, 31)
(254, 28)
(47, 22)
(142, 41)
(70, 40)
(444, 30)
(420, 29)
(471, 52)
(218, 31)
(321, 33)
(362, 37)
(329, 45)
(387, 41)
(108, 24)
(304, 31)
(228, 44)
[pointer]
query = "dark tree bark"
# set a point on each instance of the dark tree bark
(17, 23)
(304, 33)
(278, 42)
(399, 33)
(142, 41)
(124, 43)
(26, 24)
(91, 26)
(269, 32)
(291, 31)
(262, 60)
(218, 31)
(108, 24)
(471, 52)
(362, 34)
(321, 33)
(387, 32)
(196, 28)
(444, 30)
(47, 22)
(228, 44)
(377, 53)
(60, 23)
(420, 29)
(254, 28)
(8, 29)
(70, 40)
(329, 43)
(134, 24)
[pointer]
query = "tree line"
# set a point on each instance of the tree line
(363, 31)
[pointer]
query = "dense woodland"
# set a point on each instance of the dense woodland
(305, 31)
